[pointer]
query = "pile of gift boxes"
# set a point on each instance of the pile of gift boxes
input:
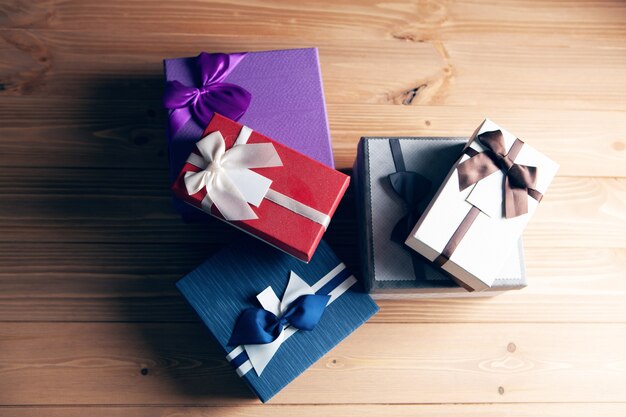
(249, 144)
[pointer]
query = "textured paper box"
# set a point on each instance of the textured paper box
(299, 178)
(221, 288)
(287, 105)
(387, 267)
(489, 240)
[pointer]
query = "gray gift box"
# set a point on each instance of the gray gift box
(389, 268)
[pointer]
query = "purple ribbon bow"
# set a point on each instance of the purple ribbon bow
(213, 95)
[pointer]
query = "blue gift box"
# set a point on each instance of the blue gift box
(228, 283)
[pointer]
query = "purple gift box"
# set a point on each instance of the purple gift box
(277, 93)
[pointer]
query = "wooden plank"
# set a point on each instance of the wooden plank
(393, 363)
(600, 201)
(96, 67)
(117, 282)
(559, 134)
(122, 134)
(374, 410)
(67, 206)
(556, 22)
(60, 64)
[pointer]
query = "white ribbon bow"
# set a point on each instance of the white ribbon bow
(226, 174)
(261, 355)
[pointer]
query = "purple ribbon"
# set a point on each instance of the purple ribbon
(213, 95)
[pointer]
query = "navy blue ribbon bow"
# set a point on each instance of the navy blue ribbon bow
(258, 326)
(412, 189)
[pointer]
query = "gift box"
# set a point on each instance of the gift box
(261, 186)
(306, 309)
(278, 93)
(477, 216)
(394, 179)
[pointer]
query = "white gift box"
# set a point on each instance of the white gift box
(465, 231)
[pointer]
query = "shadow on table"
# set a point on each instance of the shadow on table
(115, 198)
(186, 352)
(111, 202)
(189, 364)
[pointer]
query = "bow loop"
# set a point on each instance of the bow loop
(519, 180)
(212, 68)
(255, 326)
(493, 141)
(521, 176)
(306, 311)
(251, 155)
(412, 188)
(196, 181)
(212, 147)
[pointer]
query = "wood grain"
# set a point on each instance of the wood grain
(124, 134)
(97, 205)
(561, 23)
(348, 410)
(59, 64)
(91, 363)
(126, 282)
(90, 248)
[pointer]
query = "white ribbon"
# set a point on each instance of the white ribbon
(226, 174)
(260, 355)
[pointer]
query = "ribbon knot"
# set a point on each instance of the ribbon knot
(257, 326)
(519, 180)
(226, 175)
(212, 96)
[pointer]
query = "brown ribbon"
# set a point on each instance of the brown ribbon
(519, 183)
(457, 236)
(519, 180)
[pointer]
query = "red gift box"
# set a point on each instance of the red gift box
(293, 213)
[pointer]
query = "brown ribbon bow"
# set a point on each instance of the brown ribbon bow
(519, 180)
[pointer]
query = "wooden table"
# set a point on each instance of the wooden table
(90, 321)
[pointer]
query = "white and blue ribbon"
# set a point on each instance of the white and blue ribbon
(247, 357)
